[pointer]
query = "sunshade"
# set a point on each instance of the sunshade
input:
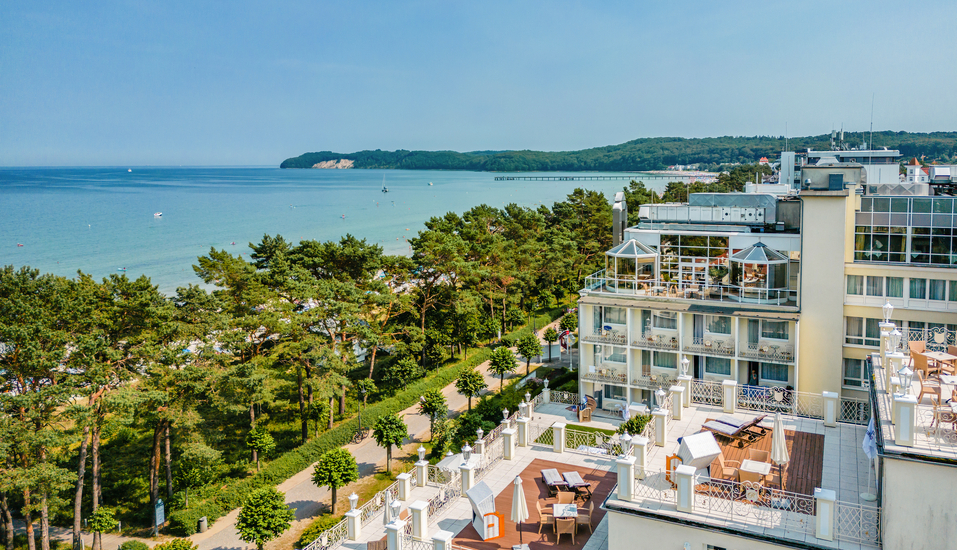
(519, 508)
(779, 446)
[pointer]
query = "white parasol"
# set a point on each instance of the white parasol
(779, 447)
(519, 508)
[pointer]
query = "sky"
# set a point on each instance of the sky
(252, 83)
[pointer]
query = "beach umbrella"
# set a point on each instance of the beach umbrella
(779, 447)
(519, 508)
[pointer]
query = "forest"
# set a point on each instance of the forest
(639, 154)
(115, 396)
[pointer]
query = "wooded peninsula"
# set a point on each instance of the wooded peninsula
(636, 155)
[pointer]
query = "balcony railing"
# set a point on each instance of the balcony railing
(653, 381)
(656, 340)
(936, 338)
(606, 375)
(610, 337)
(710, 346)
(768, 353)
(660, 288)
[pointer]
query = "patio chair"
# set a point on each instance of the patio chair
(760, 456)
(927, 387)
(920, 363)
(752, 477)
(773, 478)
(563, 526)
(943, 414)
(722, 469)
(585, 518)
(566, 497)
(915, 347)
(544, 518)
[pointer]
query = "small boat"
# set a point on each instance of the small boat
(129, 169)
(234, 242)
(157, 214)
(384, 188)
(18, 244)
(430, 183)
(121, 269)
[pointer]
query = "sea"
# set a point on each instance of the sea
(104, 221)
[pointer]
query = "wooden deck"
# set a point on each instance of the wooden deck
(806, 450)
(602, 483)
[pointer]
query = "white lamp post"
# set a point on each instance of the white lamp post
(421, 451)
(660, 395)
(906, 376)
(684, 365)
(888, 310)
(625, 444)
(546, 383)
(895, 340)
(480, 433)
(396, 508)
(353, 500)
(504, 416)
(523, 409)
(528, 397)
(466, 453)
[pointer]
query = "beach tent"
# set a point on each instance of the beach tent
(487, 523)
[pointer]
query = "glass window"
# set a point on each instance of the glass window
(665, 319)
(614, 392)
(717, 365)
(872, 332)
(875, 286)
(918, 289)
(614, 315)
(666, 360)
(777, 330)
(718, 324)
(895, 287)
(854, 373)
(953, 291)
(614, 353)
(938, 289)
(773, 372)
(855, 284)
(854, 330)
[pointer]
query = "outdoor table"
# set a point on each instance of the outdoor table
(940, 357)
(565, 511)
(763, 468)
(658, 289)
(575, 482)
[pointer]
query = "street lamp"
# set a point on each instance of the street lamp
(421, 451)
(625, 444)
(906, 376)
(895, 340)
(504, 416)
(396, 508)
(684, 365)
(523, 409)
(353, 500)
(480, 432)
(528, 397)
(466, 453)
(660, 395)
(888, 310)
(546, 383)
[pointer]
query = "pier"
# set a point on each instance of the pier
(564, 178)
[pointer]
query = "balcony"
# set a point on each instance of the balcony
(652, 381)
(604, 374)
(656, 340)
(768, 353)
(607, 337)
(684, 290)
(722, 347)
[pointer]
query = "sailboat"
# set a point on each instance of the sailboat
(384, 188)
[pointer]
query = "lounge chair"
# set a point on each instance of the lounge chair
(743, 433)
(575, 482)
(753, 425)
(553, 481)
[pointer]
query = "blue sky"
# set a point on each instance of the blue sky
(202, 83)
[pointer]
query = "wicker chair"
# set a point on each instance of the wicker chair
(563, 526)
(927, 387)
(759, 456)
(544, 518)
(722, 469)
(585, 519)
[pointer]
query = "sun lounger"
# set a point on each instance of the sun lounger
(752, 425)
(741, 435)
(553, 480)
(577, 484)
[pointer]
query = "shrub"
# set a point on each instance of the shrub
(133, 545)
(635, 425)
(176, 544)
(322, 523)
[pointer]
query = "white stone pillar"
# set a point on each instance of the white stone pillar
(468, 477)
(354, 524)
(824, 521)
(626, 478)
(684, 479)
(558, 437)
(661, 426)
(479, 447)
(546, 396)
(421, 473)
(420, 519)
(729, 391)
(405, 486)
(522, 432)
(895, 361)
(442, 540)
(677, 400)
(831, 404)
(508, 443)
(906, 420)
(639, 444)
(886, 329)
(686, 382)
(394, 534)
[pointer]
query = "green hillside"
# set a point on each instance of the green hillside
(638, 154)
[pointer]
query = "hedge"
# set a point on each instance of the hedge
(316, 528)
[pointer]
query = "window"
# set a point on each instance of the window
(918, 289)
(854, 331)
(614, 392)
(938, 289)
(875, 286)
(777, 330)
(855, 285)
(718, 324)
(665, 319)
(717, 365)
(614, 353)
(895, 287)
(614, 315)
(774, 373)
(666, 360)
(953, 291)
(854, 373)
(872, 332)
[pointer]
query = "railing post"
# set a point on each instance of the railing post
(639, 445)
(626, 478)
(421, 473)
(831, 404)
(686, 396)
(546, 395)
(886, 329)
(677, 398)
(442, 540)
(468, 477)
(354, 524)
(394, 533)
(661, 426)
(824, 520)
(479, 447)
(508, 443)
(522, 432)
(420, 519)
(405, 486)
(558, 437)
(906, 420)
(729, 390)
(685, 481)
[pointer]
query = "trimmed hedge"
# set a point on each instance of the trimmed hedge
(316, 528)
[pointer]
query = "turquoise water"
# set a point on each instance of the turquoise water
(101, 219)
